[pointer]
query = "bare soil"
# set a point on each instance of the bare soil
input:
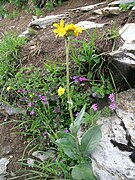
(44, 47)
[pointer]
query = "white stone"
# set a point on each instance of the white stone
(48, 20)
(98, 11)
(86, 8)
(128, 32)
(108, 161)
(111, 10)
(89, 24)
(30, 162)
(133, 9)
(44, 155)
(3, 167)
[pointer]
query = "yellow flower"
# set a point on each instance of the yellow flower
(75, 29)
(61, 91)
(8, 88)
(60, 31)
(68, 30)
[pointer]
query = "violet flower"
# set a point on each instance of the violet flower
(66, 131)
(112, 106)
(23, 90)
(32, 112)
(94, 107)
(76, 114)
(111, 97)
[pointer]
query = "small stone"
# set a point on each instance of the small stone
(89, 24)
(30, 162)
(3, 167)
(44, 155)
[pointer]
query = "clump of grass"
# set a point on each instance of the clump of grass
(9, 55)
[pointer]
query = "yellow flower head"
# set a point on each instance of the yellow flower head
(60, 31)
(69, 29)
(75, 29)
(61, 91)
(8, 88)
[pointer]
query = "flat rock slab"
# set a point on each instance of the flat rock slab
(115, 156)
(89, 24)
(3, 167)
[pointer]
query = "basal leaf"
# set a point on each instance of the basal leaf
(68, 145)
(83, 172)
(90, 140)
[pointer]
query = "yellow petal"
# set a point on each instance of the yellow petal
(61, 23)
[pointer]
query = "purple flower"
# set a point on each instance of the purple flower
(75, 79)
(66, 131)
(43, 98)
(94, 95)
(112, 106)
(94, 107)
(32, 112)
(82, 79)
(23, 90)
(76, 114)
(18, 91)
(45, 134)
(111, 97)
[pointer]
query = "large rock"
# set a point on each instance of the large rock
(115, 156)
(126, 53)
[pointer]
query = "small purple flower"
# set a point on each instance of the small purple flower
(94, 107)
(43, 98)
(32, 112)
(66, 131)
(23, 90)
(29, 104)
(82, 79)
(111, 97)
(112, 106)
(75, 79)
(76, 114)
(94, 95)
(18, 91)
(45, 134)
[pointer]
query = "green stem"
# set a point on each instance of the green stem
(67, 43)
(70, 105)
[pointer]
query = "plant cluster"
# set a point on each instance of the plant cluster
(59, 103)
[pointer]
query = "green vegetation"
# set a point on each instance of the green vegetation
(58, 102)
(34, 7)
(127, 6)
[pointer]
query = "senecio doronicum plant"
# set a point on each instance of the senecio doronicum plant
(75, 148)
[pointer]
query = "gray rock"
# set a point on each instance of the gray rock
(7, 109)
(89, 24)
(48, 20)
(41, 155)
(126, 53)
(3, 166)
(110, 11)
(86, 8)
(126, 1)
(114, 157)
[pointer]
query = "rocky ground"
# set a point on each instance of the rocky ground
(43, 46)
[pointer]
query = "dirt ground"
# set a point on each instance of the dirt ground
(44, 47)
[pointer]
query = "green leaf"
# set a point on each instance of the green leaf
(83, 172)
(90, 140)
(78, 120)
(68, 145)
